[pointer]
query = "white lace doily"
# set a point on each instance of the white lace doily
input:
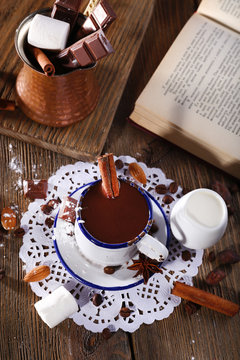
(148, 302)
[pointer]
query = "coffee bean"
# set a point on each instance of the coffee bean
(185, 191)
(154, 228)
(97, 299)
(125, 312)
(227, 256)
(186, 255)
(106, 333)
(119, 164)
(215, 276)
(168, 199)
(19, 233)
(234, 188)
(161, 189)
(2, 274)
(191, 307)
(212, 256)
(109, 270)
(173, 188)
(222, 190)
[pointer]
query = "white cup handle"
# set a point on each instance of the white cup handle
(152, 248)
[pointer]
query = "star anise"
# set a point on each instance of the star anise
(145, 267)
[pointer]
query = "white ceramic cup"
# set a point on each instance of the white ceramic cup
(117, 254)
(199, 219)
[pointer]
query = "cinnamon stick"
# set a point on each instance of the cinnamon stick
(43, 61)
(204, 298)
(110, 183)
(7, 105)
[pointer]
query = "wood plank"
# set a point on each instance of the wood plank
(83, 140)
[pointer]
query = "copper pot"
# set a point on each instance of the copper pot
(59, 100)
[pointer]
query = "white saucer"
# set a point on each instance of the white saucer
(90, 274)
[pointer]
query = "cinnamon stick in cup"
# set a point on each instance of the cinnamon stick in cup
(43, 61)
(110, 183)
(7, 105)
(204, 298)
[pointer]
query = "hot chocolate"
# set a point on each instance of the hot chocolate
(118, 220)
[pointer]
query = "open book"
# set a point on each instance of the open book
(193, 98)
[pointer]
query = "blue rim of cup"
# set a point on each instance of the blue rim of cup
(120, 245)
(99, 287)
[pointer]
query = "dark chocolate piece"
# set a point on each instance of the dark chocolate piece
(35, 189)
(101, 17)
(86, 51)
(67, 210)
(66, 10)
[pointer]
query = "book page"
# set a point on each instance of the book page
(226, 12)
(196, 86)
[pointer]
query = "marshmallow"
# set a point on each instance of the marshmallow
(56, 307)
(47, 33)
(152, 248)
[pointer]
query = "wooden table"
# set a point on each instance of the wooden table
(205, 335)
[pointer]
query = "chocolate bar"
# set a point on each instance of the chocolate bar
(86, 51)
(67, 211)
(66, 10)
(101, 16)
(35, 189)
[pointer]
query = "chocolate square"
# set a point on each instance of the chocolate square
(35, 189)
(67, 211)
(96, 46)
(81, 55)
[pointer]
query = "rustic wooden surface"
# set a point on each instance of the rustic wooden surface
(85, 139)
(203, 336)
